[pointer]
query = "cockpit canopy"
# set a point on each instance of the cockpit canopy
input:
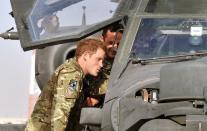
(163, 37)
(56, 18)
(42, 23)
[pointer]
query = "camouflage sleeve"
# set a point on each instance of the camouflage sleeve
(103, 87)
(67, 91)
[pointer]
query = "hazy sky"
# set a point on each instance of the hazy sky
(95, 12)
(15, 66)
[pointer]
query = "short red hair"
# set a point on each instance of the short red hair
(89, 45)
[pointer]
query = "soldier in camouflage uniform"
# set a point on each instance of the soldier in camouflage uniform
(64, 90)
(111, 36)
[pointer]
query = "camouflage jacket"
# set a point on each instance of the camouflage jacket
(57, 99)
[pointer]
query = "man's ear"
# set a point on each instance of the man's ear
(85, 55)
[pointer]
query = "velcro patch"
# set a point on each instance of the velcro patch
(72, 85)
(71, 89)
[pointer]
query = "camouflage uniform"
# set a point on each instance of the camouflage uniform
(58, 99)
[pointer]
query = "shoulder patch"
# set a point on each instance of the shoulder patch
(72, 85)
(71, 90)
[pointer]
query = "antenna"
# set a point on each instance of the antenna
(84, 16)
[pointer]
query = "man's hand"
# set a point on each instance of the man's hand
(91, 101)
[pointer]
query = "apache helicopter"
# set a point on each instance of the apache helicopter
(158, 80)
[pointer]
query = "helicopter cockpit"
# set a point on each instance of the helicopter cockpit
(169, 37)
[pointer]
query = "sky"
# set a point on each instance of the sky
(95, 12)
(15, 69)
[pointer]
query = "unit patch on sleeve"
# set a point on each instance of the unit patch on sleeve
(72, 84)
(70, 93)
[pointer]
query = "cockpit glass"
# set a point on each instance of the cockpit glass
(161, 37)
(176, 6)
(56, 18)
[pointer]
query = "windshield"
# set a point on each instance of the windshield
(169, 37)
(177, 6)
(56, 18)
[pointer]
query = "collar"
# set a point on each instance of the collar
(78, 67)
